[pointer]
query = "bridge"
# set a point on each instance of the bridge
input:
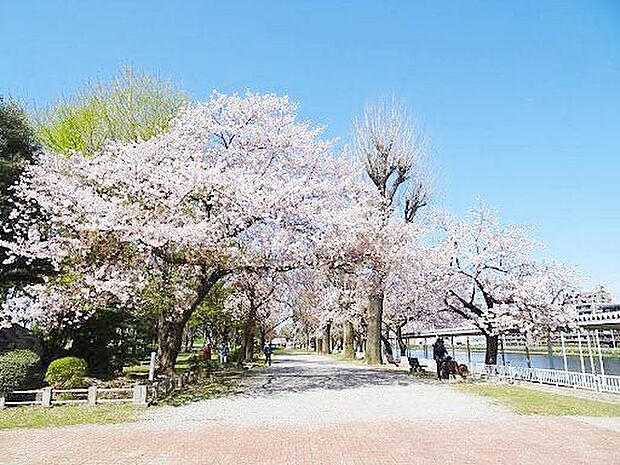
(590, 321)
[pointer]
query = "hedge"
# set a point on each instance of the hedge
(19, 369)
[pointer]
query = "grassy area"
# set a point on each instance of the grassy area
(222, 383)
(40, 417)
(526, 401)
(142, 370)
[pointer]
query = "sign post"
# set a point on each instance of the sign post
(152, 366)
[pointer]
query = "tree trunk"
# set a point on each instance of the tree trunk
(262, 336)
(188, 335)
(248, 338)
(318, 342)
(490, 357)
(327, 339)
(372, 355)
(399, 337)
(388, 346)
(348, 344)
(169, 339)
(170, 325)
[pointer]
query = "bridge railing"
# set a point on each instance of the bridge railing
(574, 379)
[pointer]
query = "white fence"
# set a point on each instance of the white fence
(46, 397)
(574, 379)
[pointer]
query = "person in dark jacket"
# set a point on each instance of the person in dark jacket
(439, 354)
(267, 350)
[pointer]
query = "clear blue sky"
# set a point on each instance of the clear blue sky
(519, 99)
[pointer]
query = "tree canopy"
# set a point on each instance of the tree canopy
(132, 107)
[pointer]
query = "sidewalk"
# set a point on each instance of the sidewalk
(307, 409)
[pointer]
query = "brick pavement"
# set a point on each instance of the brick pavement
(236, 431)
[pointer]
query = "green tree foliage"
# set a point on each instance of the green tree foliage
(112, 338)
(130, 108)
(212, 320)
(66, 373)
(19, 369)
(17, 148)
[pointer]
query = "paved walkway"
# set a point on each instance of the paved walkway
(311, 410)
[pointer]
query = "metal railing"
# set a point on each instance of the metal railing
(574, 379)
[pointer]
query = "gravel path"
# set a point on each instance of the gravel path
(307, 410)
(312, 390)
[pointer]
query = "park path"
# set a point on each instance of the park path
(307, 409)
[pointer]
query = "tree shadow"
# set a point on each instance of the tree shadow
(300, 373)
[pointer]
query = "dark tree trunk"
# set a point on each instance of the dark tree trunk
(171, 324)
(372, 355)
(399, 338)
(327, 339)
(490, 357)
(348, 343)
(319, 344)
(188, 335)
(248, 338)
(169, 339)
(262, 336)
(388, 346)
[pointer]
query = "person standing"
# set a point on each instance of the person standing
(206, 353)
(224, 354)
(439, 354)
(267, 350)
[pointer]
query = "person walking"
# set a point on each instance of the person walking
(439, 354)
(224, 354)
(206, 353)
(267, 350)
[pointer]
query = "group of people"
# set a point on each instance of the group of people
(224, 351)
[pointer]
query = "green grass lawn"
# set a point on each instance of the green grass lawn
(524, 401)
(41, 417)
(142, 371)
(222, 382)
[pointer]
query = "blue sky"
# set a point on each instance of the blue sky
(519, 100)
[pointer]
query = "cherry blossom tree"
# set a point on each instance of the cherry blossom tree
(391, 150)
(257, 302)
(492, 278)
(237, 184)
(411, 287)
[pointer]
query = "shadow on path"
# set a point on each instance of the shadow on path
(304, 372)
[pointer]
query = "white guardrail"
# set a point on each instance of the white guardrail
(574, 379)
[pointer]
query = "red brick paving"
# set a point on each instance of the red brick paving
(521, 440)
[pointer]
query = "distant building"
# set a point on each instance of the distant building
(598, 301)
(589, 303)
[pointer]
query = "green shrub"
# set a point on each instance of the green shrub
(196, 362)
(19, 369)
(66, 373)
(236, 354)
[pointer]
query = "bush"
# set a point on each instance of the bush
(236, 354)
(19, 369)
(66, 373)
